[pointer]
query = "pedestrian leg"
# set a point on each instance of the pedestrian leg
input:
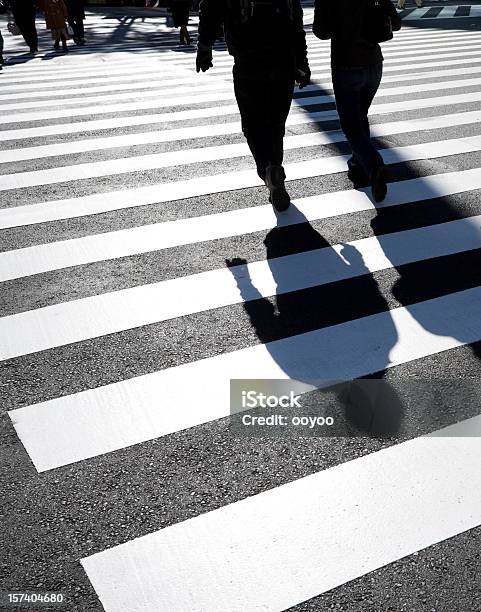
(368, 92)
(80, 30)
(348, 87)
(281, 89)
(30, 32)
(248, 92)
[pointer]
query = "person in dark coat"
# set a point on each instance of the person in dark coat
(356, 63)
(56, 21)
(76, 16)
(268, 42)
(24, 13)
(180, 15)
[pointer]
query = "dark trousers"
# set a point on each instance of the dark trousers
(77, 25)
(264, 98)
(1, 44)
(25, 20)
(354, 90)
(180, 12)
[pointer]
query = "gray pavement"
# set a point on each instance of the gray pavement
(53, 519)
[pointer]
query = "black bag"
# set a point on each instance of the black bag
(377, 25)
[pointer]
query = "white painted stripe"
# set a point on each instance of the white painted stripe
(109, 313)
(203, 185)
(286, 545)
(221, 91)
(122, 50)
(447, 11)
(133, 83)
(115, 60)
(178, 96)
(417, 13)
(140, 75)
(155, 102)
(148, 82)
(389, 52)
(222, 111)
(125, 107)
(100, 124)
(290, 142)
(89, 72)
(222, 59)
(90, 62)
(109, 418)
(134, 241)
(183, 157)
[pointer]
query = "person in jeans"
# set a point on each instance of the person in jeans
(356, 65)
(268, 42)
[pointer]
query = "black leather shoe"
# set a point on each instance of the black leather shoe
(358, 178)
(279, 198)
(378, 184)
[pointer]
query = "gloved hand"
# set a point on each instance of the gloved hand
(303, 75)
(203, 60)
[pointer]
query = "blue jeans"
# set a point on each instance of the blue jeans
(354, 90)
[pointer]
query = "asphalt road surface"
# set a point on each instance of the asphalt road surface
(125, 186)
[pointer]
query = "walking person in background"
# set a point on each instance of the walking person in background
(180, 15)
(356, 64)
(76, 16)
(2, 61)
(24, 13)
(55, 17)
(401, 3)
(3, 10)
(268, 42)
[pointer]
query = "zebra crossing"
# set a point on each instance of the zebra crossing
(123, 194)
(444, 12)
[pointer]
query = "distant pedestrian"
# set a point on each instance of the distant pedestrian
(401, 3)
(55, 17)
(355, 30)
(76, 16)
(24, 13)
(3, 10)
(180, 16)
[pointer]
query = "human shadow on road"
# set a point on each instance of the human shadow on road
(415, 201)
(313, 302)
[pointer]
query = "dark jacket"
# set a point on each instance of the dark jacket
(343, 22)
(22, 9)
(76, 8)
(275, 33)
